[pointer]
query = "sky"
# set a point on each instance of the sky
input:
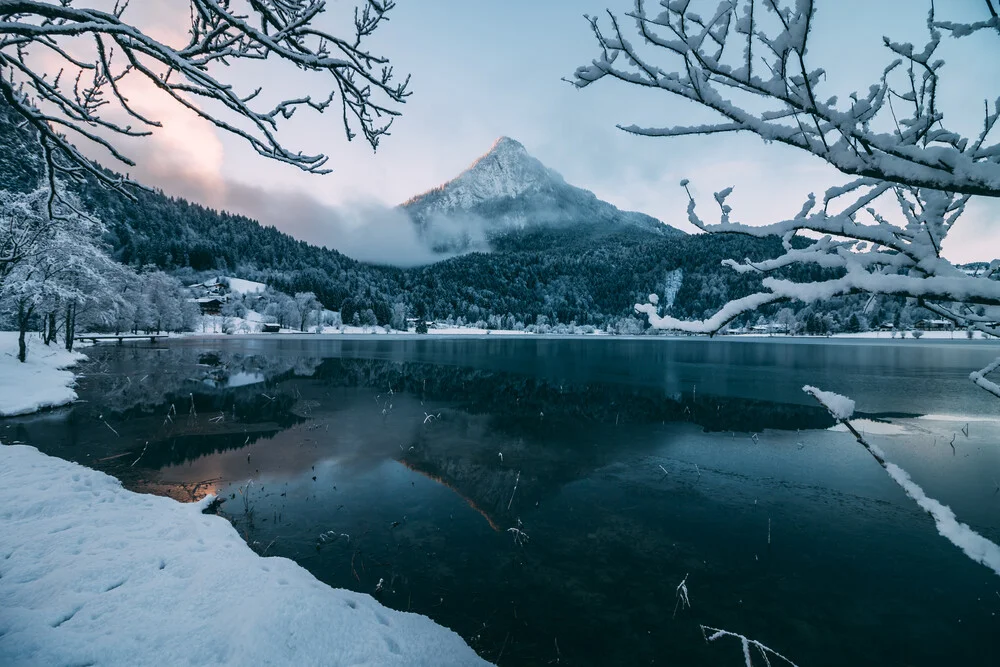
(485, 68)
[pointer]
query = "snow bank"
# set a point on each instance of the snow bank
(40, 382)
(91, 573)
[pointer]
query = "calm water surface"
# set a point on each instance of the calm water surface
(399, 467)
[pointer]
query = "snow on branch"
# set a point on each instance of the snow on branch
(979, 377)
(98, 52)
(972, 544)
(714, 634)
(753, 53)
(840, 406)
(883, 232)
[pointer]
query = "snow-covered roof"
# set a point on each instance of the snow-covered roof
(240, 286)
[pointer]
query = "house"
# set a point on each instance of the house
(769, 329)
(213, 287)
(935, 325)
(210, 305)
(270, 328)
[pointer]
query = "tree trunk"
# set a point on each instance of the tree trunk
(23, 316)
(70, 325)
(50, 335)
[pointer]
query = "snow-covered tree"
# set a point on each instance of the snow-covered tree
(67, 69)
(66, 269)
(165, 299)
(24, 226)
(307, 304)
(747, 61)
(398, 320)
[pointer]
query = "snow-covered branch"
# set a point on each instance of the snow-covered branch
(749, 646)
(972, 544)
(100, 52)
(717, 63)
(883, 232)
(979, 377)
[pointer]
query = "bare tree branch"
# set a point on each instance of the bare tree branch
(922, 171)
(919, 154)
(81, 96)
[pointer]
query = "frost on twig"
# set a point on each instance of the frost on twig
(520, 537)
(748, 645)
(683, 601)
(972, 544)
(332, 536)
(766, 68)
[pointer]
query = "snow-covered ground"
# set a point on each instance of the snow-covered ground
(240, 286)
(91, 573)
(41, 381)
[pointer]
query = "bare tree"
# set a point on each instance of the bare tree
(100, 51)
(753, 54)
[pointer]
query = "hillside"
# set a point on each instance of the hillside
(548, 248)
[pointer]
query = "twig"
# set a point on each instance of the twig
(746, 643)
(516, 480)
(101, 417)
(682, 596)
(140, 455)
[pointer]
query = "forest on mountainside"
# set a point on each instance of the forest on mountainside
(587, 273)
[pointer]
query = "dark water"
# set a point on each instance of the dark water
(426, 452)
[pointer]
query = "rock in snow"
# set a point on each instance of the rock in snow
(91, 573)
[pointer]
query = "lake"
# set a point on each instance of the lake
(545, 498)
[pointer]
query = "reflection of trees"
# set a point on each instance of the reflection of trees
(513, 398)
(148, 394)
(137, 380)
(131, 380)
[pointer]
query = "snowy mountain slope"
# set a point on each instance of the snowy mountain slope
(505, 190)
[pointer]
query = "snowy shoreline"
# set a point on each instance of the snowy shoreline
(91, 573)
(41, 382)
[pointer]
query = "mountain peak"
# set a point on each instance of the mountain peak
(505, 143)
(505, 171)
(508, 189)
